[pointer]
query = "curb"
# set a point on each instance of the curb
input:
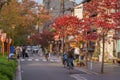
(18, 73)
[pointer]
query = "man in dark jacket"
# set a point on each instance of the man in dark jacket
(70, 56)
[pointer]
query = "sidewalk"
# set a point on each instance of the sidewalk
(111, 71)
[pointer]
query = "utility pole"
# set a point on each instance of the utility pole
(63, 11)
(48, 6)
(63, 7)
(72, 9)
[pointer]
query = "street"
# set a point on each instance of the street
(44, 70)
(37, 68)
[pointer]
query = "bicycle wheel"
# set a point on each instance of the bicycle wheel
(70, 67)
(65, 63)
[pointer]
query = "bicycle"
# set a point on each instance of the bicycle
(65, 62)
(70, 65)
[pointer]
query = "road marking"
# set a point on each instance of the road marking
(51, 60)
(29, 59)
(37, 60)
(22, 59)
(78, 77)
(44, 60)
(88, 71)
(40, 59)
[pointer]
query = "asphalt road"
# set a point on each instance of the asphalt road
(45, 70)
(36, 68)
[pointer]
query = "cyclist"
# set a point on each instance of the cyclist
(64, 58)
(70, 57)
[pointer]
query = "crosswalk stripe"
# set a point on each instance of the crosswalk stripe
(37, 60)
(40, 59)
(22, 59)
(29, 59)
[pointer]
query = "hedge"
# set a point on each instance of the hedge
(7, 68)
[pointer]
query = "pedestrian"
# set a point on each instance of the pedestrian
(17, 51)
(23, 52)
(40, 52)
(46, 54)
(12, 52)
(20, 52)
(64, 57)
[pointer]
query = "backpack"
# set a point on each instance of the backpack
(64, 56)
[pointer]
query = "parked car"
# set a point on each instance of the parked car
(35, 49)
(29, 49)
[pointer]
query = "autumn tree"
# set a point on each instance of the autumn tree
(20, 18)
(42, 39)
(28, 22)
(99, 12)
(33, 16)
(65, 26)
(2, 2)
(10, 17)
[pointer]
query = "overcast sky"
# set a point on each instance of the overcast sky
(77, 1)
(40, 1)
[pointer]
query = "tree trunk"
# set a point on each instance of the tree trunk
(102, 66)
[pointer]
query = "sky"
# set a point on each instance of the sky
(40, 1)
(77, 1)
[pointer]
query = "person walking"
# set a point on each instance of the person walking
(23, 52)
(40, 52)
(46, 54)
(17, 51)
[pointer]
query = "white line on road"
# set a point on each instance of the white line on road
(78, 77)
(87, 71)
(29, 59)
(37, 60)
